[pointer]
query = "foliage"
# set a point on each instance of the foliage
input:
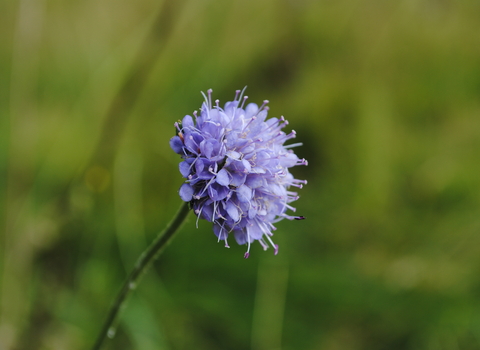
(385, 98)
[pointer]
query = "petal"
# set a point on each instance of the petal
(230, 107)
(232, 210)
(254, 181)
(212, 193)
(223, 177)
(187, 122)
(213, 114)
(255, 232)
(247, 165)
(262, 115)
(192, 141)
(199, 166)
(207, 212)
(233, 154)
(238, 179)
(217, 192)
(220, 231)
(251, 110)
(240, 237)
(206, 148)
(186, 192)
(244, 193)
(184, 168)
(176, 144)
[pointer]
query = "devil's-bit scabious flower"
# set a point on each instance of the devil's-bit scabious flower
(236, 166)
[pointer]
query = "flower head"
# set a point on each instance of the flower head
(236, 169)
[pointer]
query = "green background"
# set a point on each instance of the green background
(384, 95)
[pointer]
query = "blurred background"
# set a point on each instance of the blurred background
(384, 95)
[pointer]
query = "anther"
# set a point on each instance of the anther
(245, 98)
(263, 105)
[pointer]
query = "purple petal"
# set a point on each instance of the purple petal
(187, 122)
(192, 141)
(232, 210)
(223, 177)
(247, 165)
(220, 231)
(206, 148)
(184, 168)
(244, 193)
(261, 116)
(199, 166)
(255, 232)
(251, 110)
(207, 212)
(176, 144)
(217, 193)
(240, 237)
(238, 179)
(254, 181)
(186, 192)
(233, 155)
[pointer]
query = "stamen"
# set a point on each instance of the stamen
(241, 94)
(198, 212)
(302, 162)
(293, 145)
(273, 244)
(249, 122)
(208, 102)
(247, 254)
(205, 98)
(206, 186)
(236, 94)
(290, 207)
(215, 206)
(177, 126)
(263, 244)
(243, 102)
(291, 217)
(262, 106)
(194, 162)
(209, 91)
(298, 183)
(221, 231)
(191, 138)
(282, 137)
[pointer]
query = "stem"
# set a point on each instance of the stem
(142, 264)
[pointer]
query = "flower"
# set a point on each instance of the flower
(236, 169)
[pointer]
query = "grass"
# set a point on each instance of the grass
(384, 97)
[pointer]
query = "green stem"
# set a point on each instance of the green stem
(143, 263)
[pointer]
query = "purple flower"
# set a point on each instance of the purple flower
(236, 166)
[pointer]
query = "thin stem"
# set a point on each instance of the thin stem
(143, 263)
